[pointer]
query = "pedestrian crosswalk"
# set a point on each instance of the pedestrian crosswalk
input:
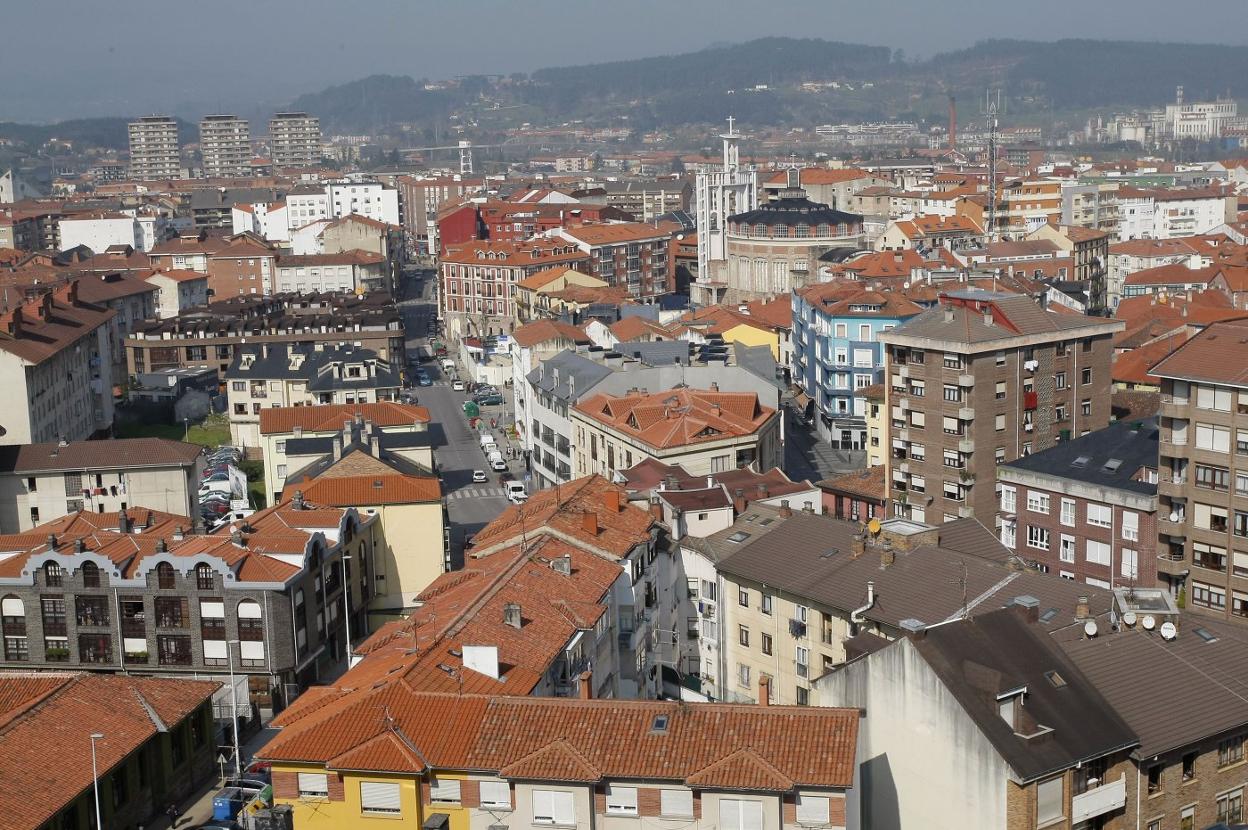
(477, 493)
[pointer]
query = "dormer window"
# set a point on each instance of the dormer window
(1010, 705)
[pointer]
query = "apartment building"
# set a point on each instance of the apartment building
(354, 272)
(702, 430)
(43, 482)
(1013, 379)
(836, 353)
(1158, 213)
(986, 690)
(288, 375)
(158, 749)
(210, 336)
(154, 149)
(479, 279)
(177, 291)
(1089, 250)
(520, 761)
(225, 145)
(1202, 486)
(136, 592)
(55, 362)
(295, 439)
(239, 264)
(834, 187)
(1126, 258)
(802, 594)
(537, 297)
(294, 139)
(631, 255)
(1086, 509)
(422, 199)
(1029, 203)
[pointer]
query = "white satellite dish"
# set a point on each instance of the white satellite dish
(1148, 622)
(1128, 618)
(1089, 628)
(1168, 631)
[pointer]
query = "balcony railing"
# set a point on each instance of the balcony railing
(1096, 801)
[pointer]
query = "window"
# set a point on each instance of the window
(1085, 376)
(743, 675)
(1212, 437)
(999, 423)
(676, 803)
(1049, 801)
(313, 785)
(165, 577)
(1130, 526)
(1067, 549)
(1099, 515)
(380, 797)
(1097, 553)
(766, 643)
(1212, 478)
(1231, 807)
(1037, 537)
(1068, 512)
(203, 577)
(765, 604)
(1037, 502)
(740, 814)
(1000, 358)
(1085, 407)
(1210, 397)
(621, 801)
(1059, 380)
(1231, 751)
(1154, 778)
(743, 635)
(1000, 390)
(553, 807)
(1009, 500)
(444, 790)
(952, 392)
(1208, 596)
(495, 795)
(743, 597)
(1008, 533)
(53, 576)
(1187, 818)
(1130, 564)
(812, 809)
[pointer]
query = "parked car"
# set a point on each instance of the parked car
(496, 461)
(457, 385)
(478, 476)
(515, 492)
(489, 400)
(423, 380)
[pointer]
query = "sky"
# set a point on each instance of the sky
(85, 58)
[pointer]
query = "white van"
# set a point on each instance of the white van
(447, 364)
(486, 438)
(497, 463)
(516, 492)
(489, 449)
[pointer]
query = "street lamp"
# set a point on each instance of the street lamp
(346, 600)
(186, 428)
(229, 657)
(95, 781)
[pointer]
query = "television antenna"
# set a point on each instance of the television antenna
(992, 106)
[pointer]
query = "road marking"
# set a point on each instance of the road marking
(477, 493)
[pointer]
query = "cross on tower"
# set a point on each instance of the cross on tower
(730, 120)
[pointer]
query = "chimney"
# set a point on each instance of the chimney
(179, 534)
(562, 564)
(714, 386)
(785, 510)
(51, 542)
(1082, 610)
(611, 500)
(585, 687)
(656, 508)
(987, 317)
(337, 447)
(79, 546)
(297, 502)
(374, 446)
(738, 500)
(1030, 606)
(887, 555)
(237, 538)
(161, 547)
(123, 523)
(808, 507)
(764, 690)
(858, 546)
(511, 614)
(589, 522)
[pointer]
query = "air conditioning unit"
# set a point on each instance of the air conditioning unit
(1028, 427)
(1031, 365)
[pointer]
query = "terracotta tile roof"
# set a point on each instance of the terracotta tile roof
(515, 254)
(562, 510)
(359, 491)
(615, 233)
(637, 327)
(1134, 405)
(177, 274)
(546, 276)
(1218, 354)
(847, 299)
(679, 417)
(41, 328)
(1075, 233)
(544, 331)
(62, 710)
(1172, 274)
(332, 416)
(91, 455)
(821, 175)
(712, 746)
(868, 483)
(1132, 367)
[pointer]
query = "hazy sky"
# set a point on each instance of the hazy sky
(68, 58)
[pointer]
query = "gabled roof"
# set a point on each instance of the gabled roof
(679, 417)
(330, 417)
(961, 318)
(544, 331)
(1216, 354)
(115, 453)
(366, 490)
(615, 233)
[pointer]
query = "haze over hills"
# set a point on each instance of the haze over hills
(1040, 78)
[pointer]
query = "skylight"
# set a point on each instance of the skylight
(1206, 635)
(1081, 461)
(1112, 465)
(1056, 679)
(660, 724)
(1048, 615)
(738, 537)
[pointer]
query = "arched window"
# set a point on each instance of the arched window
(90, 575)
(203, 577)
(250, 620)
(165, 576)
(53, 576)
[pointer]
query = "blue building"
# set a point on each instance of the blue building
(836, 353)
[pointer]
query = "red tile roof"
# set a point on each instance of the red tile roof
(91, 455)
(679, 417)
(615, 233)
(59, 712)
(635, 328)
(360, 491)
(41, 328)
(1218, 354)
(332, 416)
(821, 175)
(544, 331)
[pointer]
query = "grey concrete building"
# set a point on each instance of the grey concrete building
(225, 143)
(294, 139)
(154, 149)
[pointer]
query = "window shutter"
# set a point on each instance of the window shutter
(812, 809)
(751, 815)
(565, 812)
(729, 814)
(496, 794)
(380, 797)
(543, 806)
(13, 607)
(313, 784)
(676, 803)
(211, 609)
(444, 790)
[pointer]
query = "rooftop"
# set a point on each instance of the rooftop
(331, 417)
(679, 417)
(973, 317)
(1111, 457)
(1216, 355)
(113, 454)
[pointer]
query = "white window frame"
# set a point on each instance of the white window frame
(1067, 517)
(1039, 536)
(1066, 548)
(1098, 553)
(444, 791)
(1100, 515)
(813, 810)
(554, 808)
(1009, 499)
(490, 791)
(733, 814)
(1037, 502)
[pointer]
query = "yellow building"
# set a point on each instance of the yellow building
(413, 522)
(877, 423)
(536, 296)
(755, 323)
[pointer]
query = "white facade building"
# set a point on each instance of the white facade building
(720, 193)
(100, 231)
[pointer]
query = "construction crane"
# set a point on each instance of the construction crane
(465, 148)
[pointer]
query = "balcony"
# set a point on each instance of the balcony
(1174, 407)
(966, 413)
(1172, 486)
(966, 380)
(903, 371)
(965, 511)
(1096, 801)
(966, 445)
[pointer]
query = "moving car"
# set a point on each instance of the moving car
(457, 385)
(423, 380)
(478, 476)
(515, 492)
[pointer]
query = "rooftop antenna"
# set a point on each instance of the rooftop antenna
(991, 108)
(962, 582)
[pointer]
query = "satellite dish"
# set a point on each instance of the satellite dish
(1149, 622)
(873, 526)
(1128, 618)
(1168, 631)
(1089, 628)
(1174, 517)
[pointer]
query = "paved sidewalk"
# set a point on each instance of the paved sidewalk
(197, 809)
